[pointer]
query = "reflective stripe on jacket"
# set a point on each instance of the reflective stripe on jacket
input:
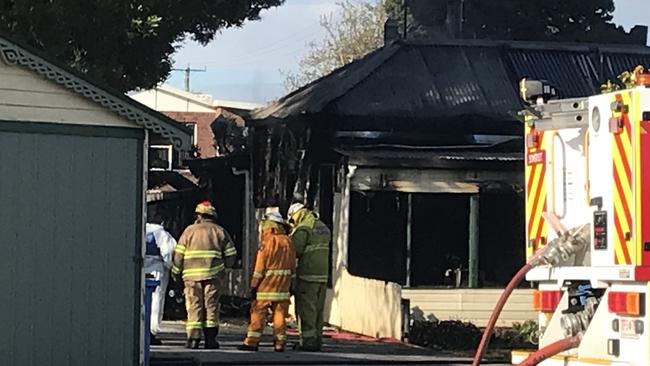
(311, 238)
(201, 251)
(275, 266)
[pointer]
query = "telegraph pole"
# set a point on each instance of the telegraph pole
(187, 71)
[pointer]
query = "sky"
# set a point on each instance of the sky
(249, 63)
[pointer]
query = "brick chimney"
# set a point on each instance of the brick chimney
(391, 31)
(441, 18)
(639, 35)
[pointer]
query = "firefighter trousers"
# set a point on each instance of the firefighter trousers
(259, 311)
(202, 305)
(310, 303)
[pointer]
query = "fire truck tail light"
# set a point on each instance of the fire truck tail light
(546, 301)
(626, 303)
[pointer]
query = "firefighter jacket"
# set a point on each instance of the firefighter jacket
(202, 251)
(311, 239)
(275, 266)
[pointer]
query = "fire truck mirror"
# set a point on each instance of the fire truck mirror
(646, 116)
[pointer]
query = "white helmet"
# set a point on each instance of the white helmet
(275, 217)
(295, 208)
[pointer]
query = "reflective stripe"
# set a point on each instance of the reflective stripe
(316, 247)
(175, 270)
(230, 251)
(209, 324)
(280, 337)
(180, 249)
(278, 272)
(257, 275)
(313, 278)
(254, 334)
(193, 325)
(273, 295)
(193, 254)
(188, 272)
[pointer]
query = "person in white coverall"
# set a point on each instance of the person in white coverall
(160, 247)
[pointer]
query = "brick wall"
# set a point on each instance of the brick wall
(204, 135)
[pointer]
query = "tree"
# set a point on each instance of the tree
(356, 30)
(543, 20)
(358, 27)
(127, 44)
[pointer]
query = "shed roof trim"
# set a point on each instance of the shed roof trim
(14, 54)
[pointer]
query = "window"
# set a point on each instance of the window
(422, 239)
(192, 127)
(161, 157)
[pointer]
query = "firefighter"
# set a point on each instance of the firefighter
(158, 262)
(275, 265)
(311, 239)
(203, 251)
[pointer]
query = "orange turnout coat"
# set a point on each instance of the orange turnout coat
(275, 265)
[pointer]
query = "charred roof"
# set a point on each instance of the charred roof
(452, 79)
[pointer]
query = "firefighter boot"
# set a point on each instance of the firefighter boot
(192, 343)
(247, 347)
(210, 335)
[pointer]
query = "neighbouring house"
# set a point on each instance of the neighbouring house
(72, 198)
(413, 155)
(196, 111)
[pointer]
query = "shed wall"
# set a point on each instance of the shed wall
(27, 96)
(71, 236)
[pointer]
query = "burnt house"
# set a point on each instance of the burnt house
(413, 155)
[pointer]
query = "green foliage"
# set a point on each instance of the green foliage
(453, 335)
(127, 44)
(521, 335)
(543, 20)
(445, 335)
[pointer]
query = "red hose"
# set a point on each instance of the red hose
(514, 282)
(551, 350)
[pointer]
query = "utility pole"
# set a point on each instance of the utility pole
(187, 71)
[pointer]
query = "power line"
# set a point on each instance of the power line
(269, 48)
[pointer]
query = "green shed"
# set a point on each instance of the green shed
(73, 160)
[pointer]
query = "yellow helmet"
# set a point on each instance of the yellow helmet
(206, 208)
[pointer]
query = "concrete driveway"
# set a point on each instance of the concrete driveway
(339, 349)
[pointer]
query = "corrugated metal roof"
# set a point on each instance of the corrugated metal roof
(421, 82)
(573, 73)
(455, 79)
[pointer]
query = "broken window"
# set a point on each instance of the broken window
(422, 239)
(377, 235)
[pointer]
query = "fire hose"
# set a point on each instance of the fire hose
(551, 350)
(568, 243)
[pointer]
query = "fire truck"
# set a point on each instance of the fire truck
(587, 188)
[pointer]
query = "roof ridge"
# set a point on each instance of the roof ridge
(386, 51)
